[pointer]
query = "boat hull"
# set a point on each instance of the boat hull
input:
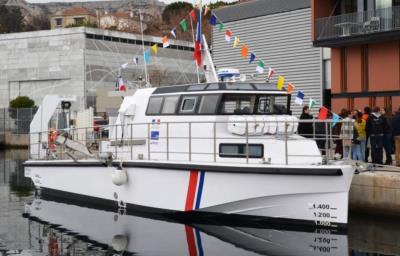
(271, 192)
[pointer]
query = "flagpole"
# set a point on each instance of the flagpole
(197, 67)
(145, 63)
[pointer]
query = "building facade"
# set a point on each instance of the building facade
(278, 32)
(72, 16)
(365, 41)
(86, 62)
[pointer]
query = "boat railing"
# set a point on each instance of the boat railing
(194, 141)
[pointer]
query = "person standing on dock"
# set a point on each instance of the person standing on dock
(359, 148)
(376, 126)
(396, 135)
(306, 129)
(387, 135)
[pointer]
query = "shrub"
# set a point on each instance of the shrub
(22, 102)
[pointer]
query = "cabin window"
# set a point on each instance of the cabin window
(154, 107)
(237, 104)
(208, 104)
(170, 104)
(239, 150)
(265, 104)
(188, 104)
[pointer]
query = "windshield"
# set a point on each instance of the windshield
(245, 104)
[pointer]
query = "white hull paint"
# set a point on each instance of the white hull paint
(146, 236)
(322, 200)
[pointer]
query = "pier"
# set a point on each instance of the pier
(376, 193)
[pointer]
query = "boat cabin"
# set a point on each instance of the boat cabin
(215, 122)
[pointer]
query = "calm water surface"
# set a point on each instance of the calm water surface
(37, 226)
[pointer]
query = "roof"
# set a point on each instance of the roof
(221, 86)
(258, 8)
(74, 11)
(122, 15)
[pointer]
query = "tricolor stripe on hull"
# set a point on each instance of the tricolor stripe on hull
(194, 241)
(195, 190)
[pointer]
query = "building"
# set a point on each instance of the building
(279, 33)
(365, 41)
(72, 16)
(86, 62)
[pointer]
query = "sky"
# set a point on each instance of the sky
(165, 1)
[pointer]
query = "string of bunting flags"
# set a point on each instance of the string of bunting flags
(196, 15)
(290, 88)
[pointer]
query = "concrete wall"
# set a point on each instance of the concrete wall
(78, 61)
(283, 41)
(376, 193)
(38, 63)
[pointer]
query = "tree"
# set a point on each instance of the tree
(40, 22)
(22, 102)
(11, 19)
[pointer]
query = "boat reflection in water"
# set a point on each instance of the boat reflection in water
(66, 229)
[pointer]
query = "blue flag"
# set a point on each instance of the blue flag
(252, 57)
(146, 56)
(335, 119)
(213, 20)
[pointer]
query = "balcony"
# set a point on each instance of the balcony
(359, 27)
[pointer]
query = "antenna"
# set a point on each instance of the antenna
(145, 64)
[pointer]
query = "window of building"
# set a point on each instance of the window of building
(188, 104)
(154, 106)
(348, 6)
(79, 20)
(59, 21)
(380, 4)
(208, 104)
(240, 150)
(170, 104)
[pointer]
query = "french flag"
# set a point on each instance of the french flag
(119, 85)
(197, 44)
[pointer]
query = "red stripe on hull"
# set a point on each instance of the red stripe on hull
(191, 193)
(191, 241)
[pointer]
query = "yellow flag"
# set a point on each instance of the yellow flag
(281, 81)
(155, 48)
(236, 42)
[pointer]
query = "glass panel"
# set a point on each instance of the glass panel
(380, 4)
(188, 104)
(197, 87)
(170, 104)
(208, 104)
(238, 104)
(239, 150)
(327, 74)
(230, 149)
(236, 86)
(154, 107)
(265, 104)
(255, 151)
(348, 6)
(213, 87)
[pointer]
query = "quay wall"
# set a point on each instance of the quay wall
(376, 193)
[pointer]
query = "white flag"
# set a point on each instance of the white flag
(125, 65)
(136, 60)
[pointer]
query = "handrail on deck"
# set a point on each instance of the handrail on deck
(126, 138)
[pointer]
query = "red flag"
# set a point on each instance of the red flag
(197, 44)
(323, 113)
(193, 15)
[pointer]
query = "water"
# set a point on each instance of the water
(35, 226)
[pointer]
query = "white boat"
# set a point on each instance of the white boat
(219, 148)
(214, 148)
(138, 234)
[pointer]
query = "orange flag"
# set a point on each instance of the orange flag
(245, 51)
(290, 88)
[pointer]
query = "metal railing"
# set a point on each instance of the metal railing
(16, 120)
(186, 141)
(359, 23)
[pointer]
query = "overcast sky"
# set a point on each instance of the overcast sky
(165, 1)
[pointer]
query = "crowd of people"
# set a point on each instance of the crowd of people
(364, 136)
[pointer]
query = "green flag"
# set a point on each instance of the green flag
(221, 27)
(183, 25)
(312, 103)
